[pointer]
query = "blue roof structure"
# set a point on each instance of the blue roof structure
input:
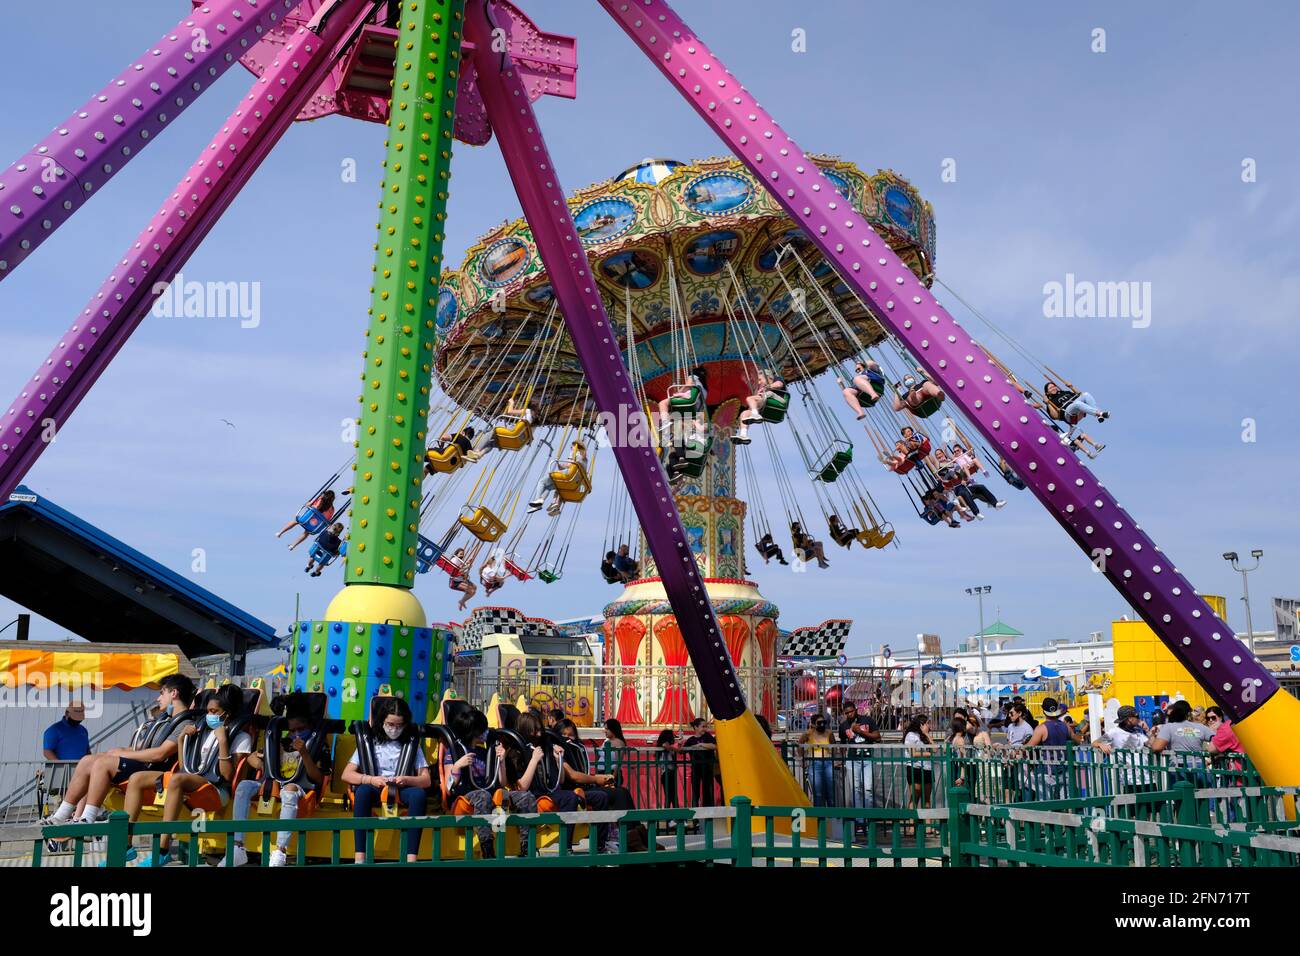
(73, 573)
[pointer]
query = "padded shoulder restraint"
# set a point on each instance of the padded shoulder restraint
(365, 738)
(273, 754)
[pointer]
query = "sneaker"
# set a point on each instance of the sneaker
(130, 856)
(1103, 416)
(739, 439)
(240, 857)
(999, 504)
(535, 505)
(279, 857)
(980, 516)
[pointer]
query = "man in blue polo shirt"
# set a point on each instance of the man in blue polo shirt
(67, 739)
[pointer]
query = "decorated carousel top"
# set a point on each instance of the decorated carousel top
(696, 260)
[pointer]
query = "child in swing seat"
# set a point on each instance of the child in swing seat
(329, 540)
(323, 503)
(493, 573)
(458, 581)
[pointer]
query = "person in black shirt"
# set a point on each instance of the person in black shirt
(770, 549)
(329, 541)
(703, 748)
(1071, 407)
(859, 729)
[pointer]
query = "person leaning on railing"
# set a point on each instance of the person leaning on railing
(1188, 743)
(1129, 735)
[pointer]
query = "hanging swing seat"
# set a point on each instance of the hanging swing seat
(311, 520)
(572, 483)
(883, 537)
(684, 398)
(928, 407)
(514, 436)
(844, 537)
(325, 558)
(774, 408)
(482, 523)
(426, 554)
(445, 460)
(515, 570)
(833, 461)
(445, 564)
(549, 575)
(695, 457)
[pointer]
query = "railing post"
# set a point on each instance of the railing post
(1071, 787)
(956, 815)
(1186, 815)
(119, 839)
(742, 837)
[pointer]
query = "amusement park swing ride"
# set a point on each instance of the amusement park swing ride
(762, 270)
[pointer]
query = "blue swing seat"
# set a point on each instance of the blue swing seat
(312, 521)
(325, 558)
(427, 554)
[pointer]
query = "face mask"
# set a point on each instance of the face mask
(392, 732)
(214, 721)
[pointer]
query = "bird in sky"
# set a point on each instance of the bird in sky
(228, 422)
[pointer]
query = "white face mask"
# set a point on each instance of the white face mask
(392, 732)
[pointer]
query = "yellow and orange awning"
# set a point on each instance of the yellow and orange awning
(85, 668)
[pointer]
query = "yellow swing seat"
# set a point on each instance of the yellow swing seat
(571, 481)
(446, 460)
(514, 436)
(482, 523)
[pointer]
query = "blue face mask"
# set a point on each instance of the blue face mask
(214, 720)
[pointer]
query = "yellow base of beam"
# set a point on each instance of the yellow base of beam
(377, 604)
(1269, 738)
(752, 767)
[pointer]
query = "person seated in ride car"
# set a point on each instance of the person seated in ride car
(218, 758)
(293, 758)
(391, 718)
(97, 773)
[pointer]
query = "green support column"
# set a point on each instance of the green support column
(399, 351)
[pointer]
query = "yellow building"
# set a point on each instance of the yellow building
(1145, 667)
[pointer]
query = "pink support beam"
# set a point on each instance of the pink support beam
(506, 97)
(191, 210)
(1091, 516)
(42, 190)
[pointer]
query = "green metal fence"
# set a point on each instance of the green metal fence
(1179, 827)
(1183, 826)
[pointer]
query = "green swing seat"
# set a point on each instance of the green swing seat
(774, 408)
(835, 464)
(548, 576)
(694, 465)
(687, 402)
(928, 407)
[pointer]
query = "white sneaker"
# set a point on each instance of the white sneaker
(240, 857)
(279, 857)
(534, 505)
(980, 516)
(1000, 504)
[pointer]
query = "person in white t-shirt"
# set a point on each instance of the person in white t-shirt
(1128, 735)
(392, 717)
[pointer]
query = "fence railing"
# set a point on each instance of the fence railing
(1183, 826)
(1072, 833)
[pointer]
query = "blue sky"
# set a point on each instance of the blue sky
(1116, 166)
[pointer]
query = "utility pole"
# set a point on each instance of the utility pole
(979, 592)
(1231, 558)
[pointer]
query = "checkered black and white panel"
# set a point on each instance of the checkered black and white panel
(502, 620)
(825, 640)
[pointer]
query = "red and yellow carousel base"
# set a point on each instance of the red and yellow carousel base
(752, 767)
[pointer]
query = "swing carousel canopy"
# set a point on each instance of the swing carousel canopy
(657, 228)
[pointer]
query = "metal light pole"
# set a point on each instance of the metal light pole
(1231, 558)
(979, 593)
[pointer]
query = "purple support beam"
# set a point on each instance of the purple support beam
(42, 190)
(1118, 547)
(529, 163)
(191, 210)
